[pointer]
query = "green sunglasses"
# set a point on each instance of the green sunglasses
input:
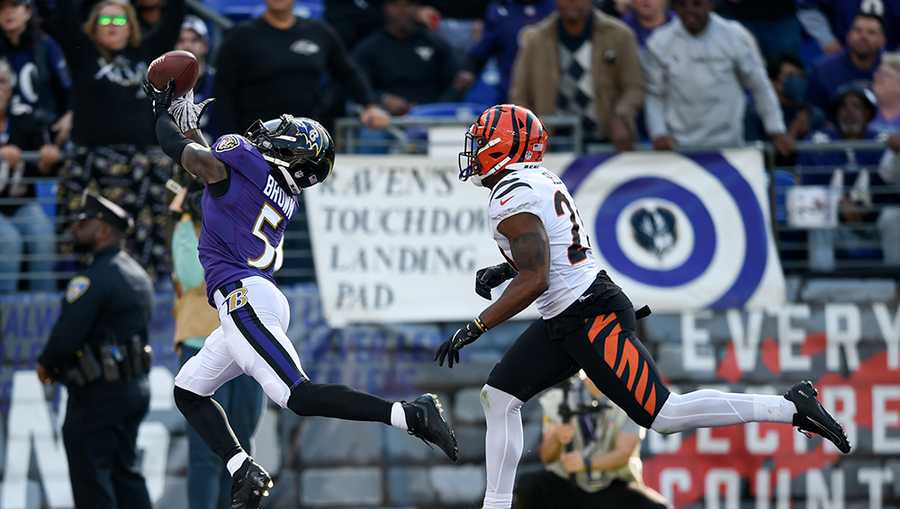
(118, 21)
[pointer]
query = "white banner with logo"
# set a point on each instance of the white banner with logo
(398, 239)
(681, 231)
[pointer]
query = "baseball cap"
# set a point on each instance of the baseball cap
(197, 26)
(94, 206)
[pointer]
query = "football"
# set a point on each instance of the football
(177, 65)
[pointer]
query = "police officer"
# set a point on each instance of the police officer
(98, 349)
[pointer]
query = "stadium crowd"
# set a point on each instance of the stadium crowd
(696, 73)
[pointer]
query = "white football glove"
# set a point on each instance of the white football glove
(186, 113)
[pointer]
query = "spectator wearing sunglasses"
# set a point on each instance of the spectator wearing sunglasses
(108, 56)
(112, 126)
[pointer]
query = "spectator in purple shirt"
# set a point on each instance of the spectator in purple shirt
(856, 64)
(646, 16)
(500, 39)
(887, 90)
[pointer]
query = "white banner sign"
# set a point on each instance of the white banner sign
(398, 239)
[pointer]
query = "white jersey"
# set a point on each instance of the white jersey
(540, 192)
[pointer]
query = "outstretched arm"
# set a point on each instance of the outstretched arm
(185, 145)
(197, 159)
(531, 256)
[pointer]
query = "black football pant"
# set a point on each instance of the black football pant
(546, 490)
(100, 436)
(596, 335)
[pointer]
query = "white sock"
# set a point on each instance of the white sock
(503, 444)
(235, 462)
(709, 408)
(398, 416)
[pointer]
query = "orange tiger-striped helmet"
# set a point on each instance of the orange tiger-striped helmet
(505, 136)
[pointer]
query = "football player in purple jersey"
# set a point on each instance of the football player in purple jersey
(251, 187)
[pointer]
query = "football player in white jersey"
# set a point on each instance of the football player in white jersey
(587, 321)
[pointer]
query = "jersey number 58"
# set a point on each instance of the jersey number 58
(271, 254)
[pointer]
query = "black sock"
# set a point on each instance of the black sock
(208, 418)
(339, 401)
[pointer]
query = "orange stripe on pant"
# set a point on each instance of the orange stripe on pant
(599, 323)
(629, 359)
(642, 383)
(611, 347)
(650, 404)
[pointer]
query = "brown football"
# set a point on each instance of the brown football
(177, 65)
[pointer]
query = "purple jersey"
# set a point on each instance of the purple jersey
(243, 229)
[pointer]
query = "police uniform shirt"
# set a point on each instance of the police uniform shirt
(594, 434)
(111, 300)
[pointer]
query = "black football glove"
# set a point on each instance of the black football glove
(491, 277)
(160, 100)
(463, 336)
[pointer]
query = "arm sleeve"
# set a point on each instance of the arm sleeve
(816, 24)
(82, 301)
(654, 105)
(632, 78)
(165, 35)
(343, 69)
(170, 139)
(185, 258)
(752, 72)
(225, 85)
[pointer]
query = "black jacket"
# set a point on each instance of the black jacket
(262, 72)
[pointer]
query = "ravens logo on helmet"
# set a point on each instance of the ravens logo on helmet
(298, 148)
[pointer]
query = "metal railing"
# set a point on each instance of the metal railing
(415, 135)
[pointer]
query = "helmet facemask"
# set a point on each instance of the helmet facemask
(468, 158)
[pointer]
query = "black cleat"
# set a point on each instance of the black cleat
(428, 424)
(811, 416)
(249, 485)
